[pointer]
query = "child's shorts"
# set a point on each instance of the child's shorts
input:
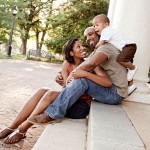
(127, 53)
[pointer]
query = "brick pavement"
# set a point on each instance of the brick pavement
(18, 80)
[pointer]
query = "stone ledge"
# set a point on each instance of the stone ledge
(70, 134)
(110, 129)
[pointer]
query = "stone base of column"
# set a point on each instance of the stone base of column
(141, 94)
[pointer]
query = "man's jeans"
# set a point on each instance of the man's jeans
(77, 88)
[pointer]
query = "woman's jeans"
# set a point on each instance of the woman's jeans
(77, 88)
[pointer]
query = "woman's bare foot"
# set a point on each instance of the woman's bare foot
(4, 133)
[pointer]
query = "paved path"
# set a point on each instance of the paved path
(18, 80)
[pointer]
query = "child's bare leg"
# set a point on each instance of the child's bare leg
(128, 65)
(130, 83)
(131, 69)
(131, 87)
(25, 112)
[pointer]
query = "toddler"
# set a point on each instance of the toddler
(126, 47)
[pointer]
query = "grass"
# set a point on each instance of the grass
(3, 55)
(53, 60)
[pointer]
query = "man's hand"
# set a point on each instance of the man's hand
(59, 79)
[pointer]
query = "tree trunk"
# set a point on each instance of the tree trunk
(23, 47)
(37, 39)
(37, 43)
(42, 38)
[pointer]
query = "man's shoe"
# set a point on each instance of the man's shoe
(42, 119)
(131, 89)
(131, 73)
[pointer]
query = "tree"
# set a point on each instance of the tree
(30, 18)
(41, 25)
(71, 20)
(5, 20)
(27, 17)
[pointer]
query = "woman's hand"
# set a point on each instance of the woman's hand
(78, 73)
(59, 79)
(69, 79)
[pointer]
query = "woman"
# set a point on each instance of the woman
(74, 53)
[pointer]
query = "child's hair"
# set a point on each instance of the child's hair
(103, 18)
(68, 46)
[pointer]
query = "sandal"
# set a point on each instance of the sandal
(14, 137)
(5, 132)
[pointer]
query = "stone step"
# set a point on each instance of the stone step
(70, 134)
(109, 128)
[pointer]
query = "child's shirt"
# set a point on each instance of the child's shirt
(115, 38)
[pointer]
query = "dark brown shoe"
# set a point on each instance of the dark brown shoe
(42, 119)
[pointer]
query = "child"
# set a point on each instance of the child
(126, 47)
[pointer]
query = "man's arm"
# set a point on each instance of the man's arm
(93, 61)
(100, 77)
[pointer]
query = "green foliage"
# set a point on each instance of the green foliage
(71, 20)
(4, 20)
(3, 34)
(53, 60)
(28, 17)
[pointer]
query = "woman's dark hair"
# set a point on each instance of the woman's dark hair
(68, 46)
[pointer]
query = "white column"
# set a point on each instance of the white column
(111, 10)
(132, 18)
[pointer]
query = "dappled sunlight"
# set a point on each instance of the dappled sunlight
(29, 66)
(43, 66)
(28, 69)
(35, 66)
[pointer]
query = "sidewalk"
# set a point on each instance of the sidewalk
(19, 79)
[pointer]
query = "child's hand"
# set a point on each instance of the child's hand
(101, 42)
(96, 46)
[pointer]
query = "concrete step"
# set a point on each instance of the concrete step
(109, 128)
(70, 134)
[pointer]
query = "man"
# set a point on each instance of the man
(105, 56)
